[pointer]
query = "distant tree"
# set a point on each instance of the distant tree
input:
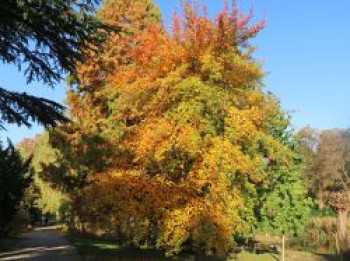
(333, 160)
(49, 199)
(308, 139)
(15, 177)
(284, 207)
(327, 174)
(46, 39)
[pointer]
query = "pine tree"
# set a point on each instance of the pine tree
(46, 39)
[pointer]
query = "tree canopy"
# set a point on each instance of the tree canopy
(182, 114)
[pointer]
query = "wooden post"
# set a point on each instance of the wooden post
(283, 245)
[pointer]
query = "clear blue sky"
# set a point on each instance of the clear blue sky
(305, 48)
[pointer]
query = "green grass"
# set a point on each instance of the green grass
(89, 244)
(246, 256)
(290, 256)
(90, 248)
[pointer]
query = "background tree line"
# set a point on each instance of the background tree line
(326, 173)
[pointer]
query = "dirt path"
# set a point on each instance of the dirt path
(42, 244)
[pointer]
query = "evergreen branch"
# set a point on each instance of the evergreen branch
(21, 109)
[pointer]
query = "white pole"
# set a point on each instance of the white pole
(283, 239)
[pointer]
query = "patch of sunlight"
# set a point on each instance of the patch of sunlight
(246, 256)
(105, 246)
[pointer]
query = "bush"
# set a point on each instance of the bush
(20, 222)
(319, 236)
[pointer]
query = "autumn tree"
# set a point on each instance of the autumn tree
(88, 143)
(173, 139)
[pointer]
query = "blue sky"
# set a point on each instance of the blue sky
(305, 48)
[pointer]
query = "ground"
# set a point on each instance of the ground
(41, 244)
(104, 250)
(48, 243)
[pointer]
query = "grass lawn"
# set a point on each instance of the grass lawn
(104, 250)
(290, 256)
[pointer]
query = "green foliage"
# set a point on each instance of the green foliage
(15, 177)
(283, 206)
(46, 196)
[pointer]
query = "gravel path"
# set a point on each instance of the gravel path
(42, 244)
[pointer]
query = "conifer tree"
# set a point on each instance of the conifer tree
(46, 39)
(15, 177)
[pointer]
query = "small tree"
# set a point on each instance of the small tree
(15, 177)
(308, 139)
(50, 199)
(284, 207)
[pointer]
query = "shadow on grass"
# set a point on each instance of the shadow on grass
(90, 248)
(7, 243)
(330, 257)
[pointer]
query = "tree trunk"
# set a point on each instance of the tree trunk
(342, 234)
